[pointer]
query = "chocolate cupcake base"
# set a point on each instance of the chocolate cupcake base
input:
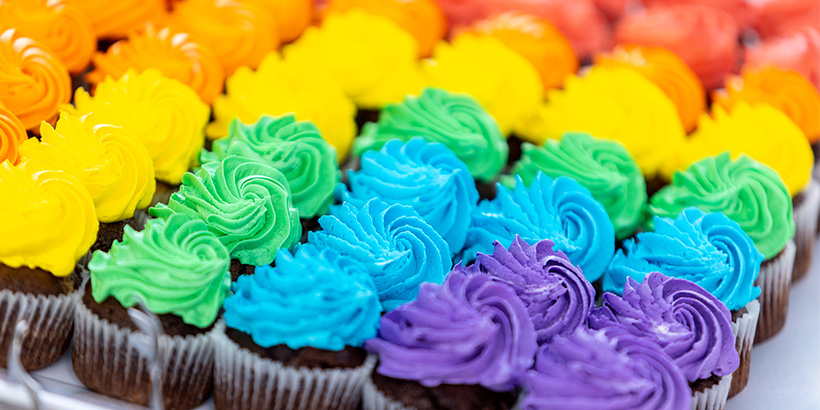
(806, 208)
(386, 393)
(244, 379)
(744, 326)
(775, 281)
(711, 393)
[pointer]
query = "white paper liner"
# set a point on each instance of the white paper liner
(775, 285)
(744, 329)
(805, 221)
(185, 376)
(374, 399)
(50, 320)
(141, 215)
(245, 380)
(713, 398)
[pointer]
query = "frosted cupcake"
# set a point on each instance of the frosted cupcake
(113, 19)
(687, 322)
(557, 209)
(39, 251)
(12, 134)
(295, 332)
(755, 197)
(795, 49)
(479, 343)
(179, 271)
(426, 176)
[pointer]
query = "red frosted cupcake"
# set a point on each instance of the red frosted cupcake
(798, 50)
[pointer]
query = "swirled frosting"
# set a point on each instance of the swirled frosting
(748, 129)
(597, 370)
(602, 166)
(47, 219)
(369, 56)
(501, 80)
(425, 176)
(166, 116)
(172, 266)
(677, 27)
(239, 33)
(110, 162)
(295, 148)
(12, 134)
(666, 70)
(555, 292)
(33, 80)
(743, 11)
(686, 321)
(557, 209)
(312, 298)
(786, 90)
(782, 16)
(280, 87)
(798, 50)
(470, 330)
(290, 17)
(114, 19)
(455, 120)
(421, 18)
(63, 28)
(244, 202)
(173, 54)
(748, 192)
(399, 250)
(616, 103)
(535, 39)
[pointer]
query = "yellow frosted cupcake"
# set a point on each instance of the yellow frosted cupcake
(109, 161)
(503, 81)
(165, 115)
(280, 87)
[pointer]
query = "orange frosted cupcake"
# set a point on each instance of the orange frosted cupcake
(239, 33)
(667, 71)
(175, 55)
(33, 80)
(61, 27)
(291, 17)
(686, 29)
(537, 41)
(12, 134)
(115, 19)
(421, 18)
(798, 50)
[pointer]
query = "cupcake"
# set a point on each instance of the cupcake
(423, 19)
(479, 340)
(775, 17)
(164, 114)
(679, 26)
(666, 70)
(605, 370)
(397, 248)
(39, 250)
(744, 12)
(557, 209)
(290, 18)
(295, 332)
(557, 296)
(604, 167)
(109, 161)
(748, 129)
(797, 49)
(425, 176)
(455, 120)
(296, 148)
(184, 60)
(687, 322)
(535, 39)
(245, 203)
(178, 270)
(115, 19)
(12, 134)
(502, 81)
(33, 80)
(755, 197)
(281, 87)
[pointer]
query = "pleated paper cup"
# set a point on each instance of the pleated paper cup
(713, 398)
(805, 221)
(744, 328)
(374, 399)
(775, 281)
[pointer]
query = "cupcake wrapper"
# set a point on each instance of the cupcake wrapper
(141, 216)
(50, 323)
(374, 399)
(805, 221)
(744, 329)
(713, 398)
(107, 360)
(775, 281)
(245, 380)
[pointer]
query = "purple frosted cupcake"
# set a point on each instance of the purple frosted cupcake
(598, 370)
(461, 345)
(693, 327)
(557, 296)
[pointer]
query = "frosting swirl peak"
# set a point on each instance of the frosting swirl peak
(12, 134)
